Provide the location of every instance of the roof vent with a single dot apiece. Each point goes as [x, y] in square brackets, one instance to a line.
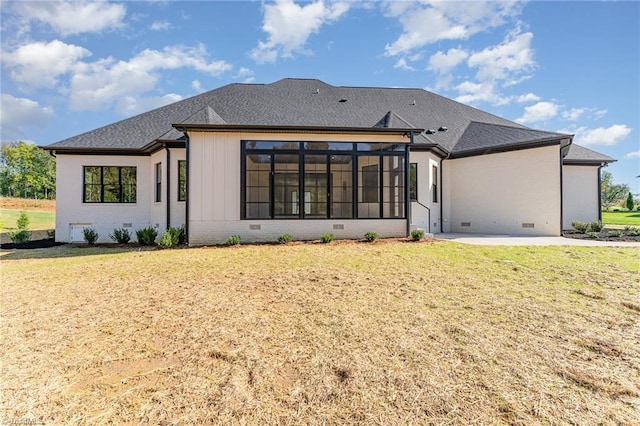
[413, 103]
[342, 101]
[442, 129]
[429, 131]
[316, 92]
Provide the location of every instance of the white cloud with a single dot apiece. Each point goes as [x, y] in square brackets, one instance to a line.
[471, 93]
[73, 17]
[573, 114]
[160, 26]
[606, 136]
[40, 64]
[442, 62]
[18, 113]
[538, 112]
[289, 25]
[195, 84]
[427, 22]
[632, 155]
[511, 57]
[245, 74]
[403, 65]
[98, 85]
[529, 97]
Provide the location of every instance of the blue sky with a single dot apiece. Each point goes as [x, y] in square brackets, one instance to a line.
[69, 67]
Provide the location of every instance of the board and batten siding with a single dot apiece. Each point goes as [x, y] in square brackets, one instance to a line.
[214, 193]
[516, 193]
[72, 214]
[580, 194]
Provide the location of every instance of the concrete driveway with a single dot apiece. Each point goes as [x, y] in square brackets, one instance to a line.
[520, 240]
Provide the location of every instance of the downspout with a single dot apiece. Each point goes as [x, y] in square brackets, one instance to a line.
[168, 160]
[561, 195]
[407, 179]
[600, 191]
[188, 197]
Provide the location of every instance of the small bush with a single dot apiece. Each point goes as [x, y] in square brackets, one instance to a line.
[120, 235]
[417, 234]
[614, 233]
[632, 231]
[147, 236]
[173, 237]
[20, 236]
[371, 236]
[51, 234]
[593, 234]
[595, 226]
[90, 235]
[581, 227]
[326, 238]
[23, 221]
[285, 238]
[233, 240]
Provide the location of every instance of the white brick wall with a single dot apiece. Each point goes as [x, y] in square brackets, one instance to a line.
[580, 194]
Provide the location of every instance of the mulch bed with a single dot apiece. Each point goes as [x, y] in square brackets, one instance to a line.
[606, 234]
[34, 244]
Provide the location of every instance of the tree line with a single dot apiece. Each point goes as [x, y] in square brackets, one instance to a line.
[26, 171]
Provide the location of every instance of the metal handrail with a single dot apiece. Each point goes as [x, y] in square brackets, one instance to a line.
[428, 210]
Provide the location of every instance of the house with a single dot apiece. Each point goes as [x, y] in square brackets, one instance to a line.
[302, 157]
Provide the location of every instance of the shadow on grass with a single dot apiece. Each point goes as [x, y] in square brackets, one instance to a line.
[69, 250]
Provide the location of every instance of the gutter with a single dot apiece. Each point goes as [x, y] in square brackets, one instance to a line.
[295, 129]
[188, 197]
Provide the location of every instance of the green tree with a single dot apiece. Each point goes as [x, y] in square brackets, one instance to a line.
[26, 171]
[630, 203]
[611, 193]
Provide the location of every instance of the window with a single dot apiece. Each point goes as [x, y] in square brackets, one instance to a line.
[158, 178]
[413, 181]
[109, 184]
[182, 180]
[434, 179]
[318, 180]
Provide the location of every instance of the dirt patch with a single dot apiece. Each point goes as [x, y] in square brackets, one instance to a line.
[33, 244]
[27, 204]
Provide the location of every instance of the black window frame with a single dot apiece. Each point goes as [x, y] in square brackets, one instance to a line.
[122, 199]
[182, 181]
[413, 181]
[434, 186]
[357, 149]
[158, 182]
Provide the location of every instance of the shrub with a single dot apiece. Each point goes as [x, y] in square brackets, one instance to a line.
[371, 236]
[20, 236]
[51, 234]
[147, 236]
[581, 227]
[23, 221]
[233, 240]
[90, 235]
[285, 238]
[629, 203]
[173, 237]
[632, 231]
[417, 234]
[593, 234]
[326, 238]
[596, 226]
[614, 233]
[120, 235]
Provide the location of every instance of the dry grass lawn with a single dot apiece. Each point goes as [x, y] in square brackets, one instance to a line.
[346, 333]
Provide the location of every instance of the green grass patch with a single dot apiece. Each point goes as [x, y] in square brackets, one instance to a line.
[621, 218]
[38, 219]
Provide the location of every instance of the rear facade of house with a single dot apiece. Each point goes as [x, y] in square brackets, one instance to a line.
[305, 158]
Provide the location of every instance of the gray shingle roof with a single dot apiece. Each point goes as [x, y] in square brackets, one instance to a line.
[313, 103]
[482, 137]
[580, 155]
